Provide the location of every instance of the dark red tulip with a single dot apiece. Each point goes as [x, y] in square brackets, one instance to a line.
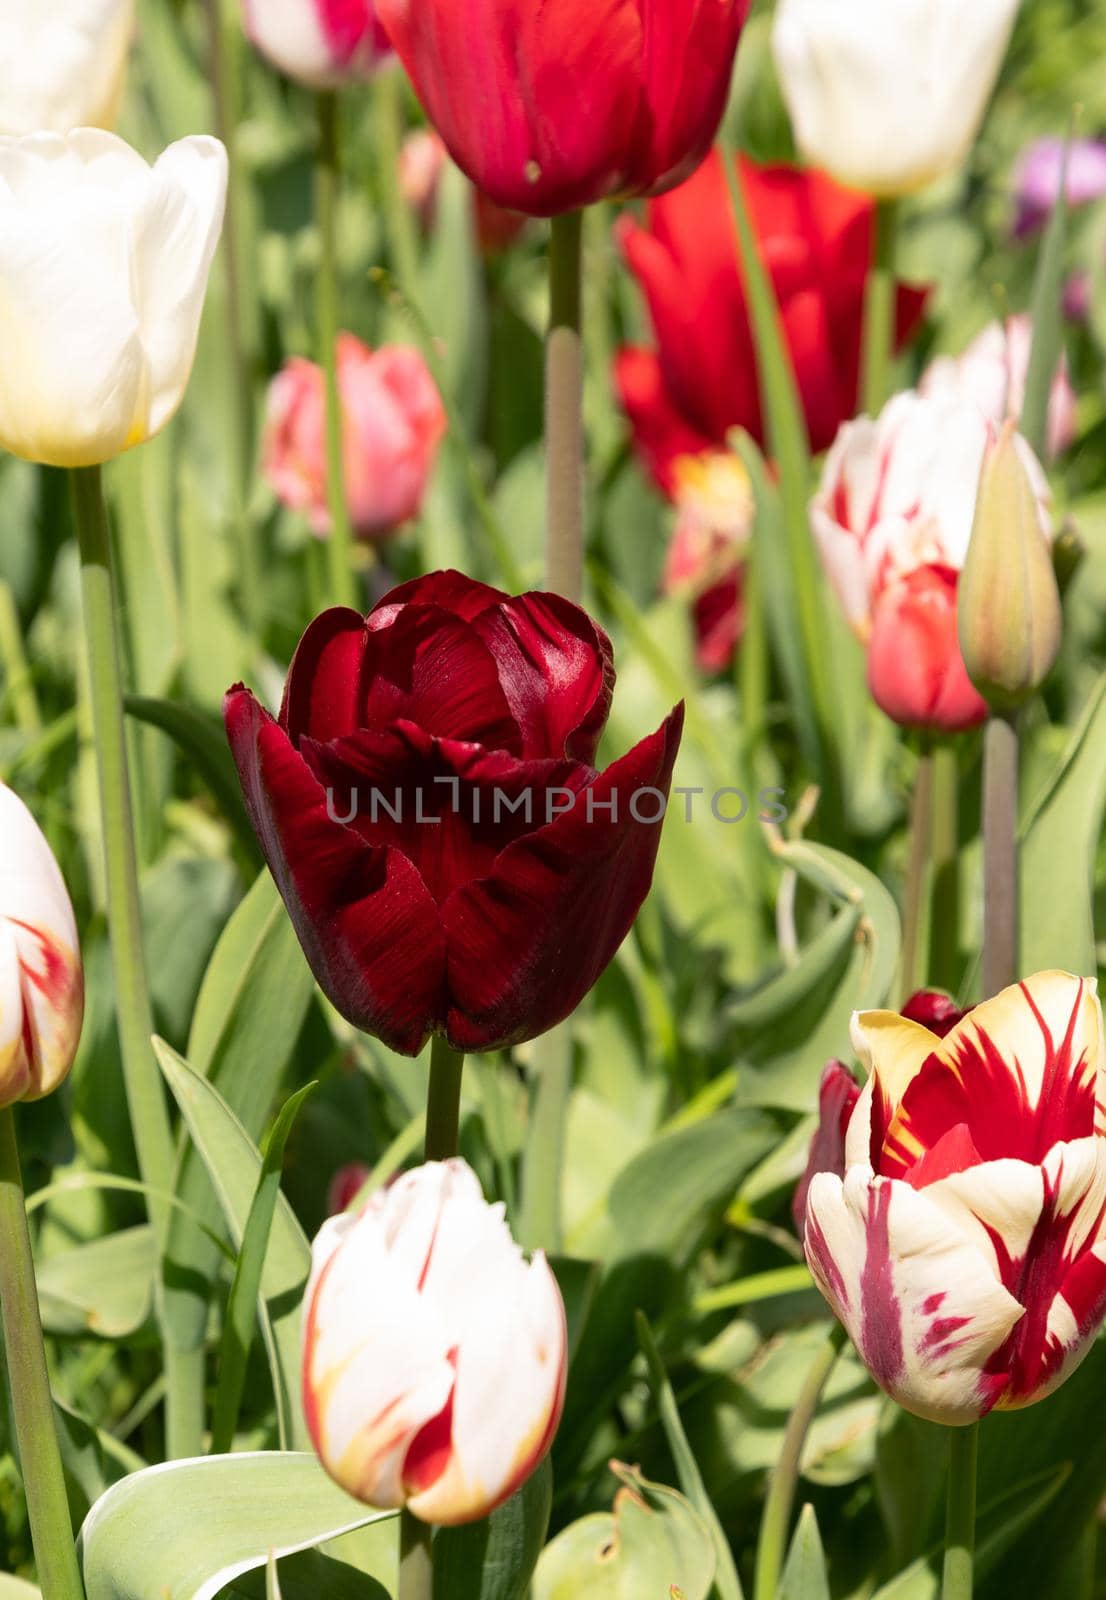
[816, 242]
[451, 859]
[936, 1011]
[554, 106]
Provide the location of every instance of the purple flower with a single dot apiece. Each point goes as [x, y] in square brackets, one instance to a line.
[1037, 179]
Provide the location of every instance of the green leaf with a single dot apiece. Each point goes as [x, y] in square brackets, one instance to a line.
[804, 1576]
[310, 1575]
[495, 1559]
[652, 1542]
[200, 738]
[104, 1288]
[1059, 845]
[1047, 311]
[184, 1530]
[241, 1313]
[727, 1584]
[234, 1163]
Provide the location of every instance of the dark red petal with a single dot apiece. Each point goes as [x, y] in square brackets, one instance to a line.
[556, 667]
[954, 1151]
[448, 590]
[936, 1011]
[367, 925]
[528, 942]
[322, 695]
[449, 807]
[837, 1097]
[432, 668]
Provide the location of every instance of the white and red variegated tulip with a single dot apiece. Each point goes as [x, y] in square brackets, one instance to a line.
[964, 1248]
[41, 977]
[434, 1354]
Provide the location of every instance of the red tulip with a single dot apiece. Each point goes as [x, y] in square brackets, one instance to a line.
[450, 857]
[915, 670]
[554, 106]
[816, 242]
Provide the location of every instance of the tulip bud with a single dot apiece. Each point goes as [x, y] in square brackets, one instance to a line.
[62, 65]
[434, 1355]
[1010, 620]
[41, 978]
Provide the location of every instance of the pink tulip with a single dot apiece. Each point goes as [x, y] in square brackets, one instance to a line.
[320, 43]
[394, 422]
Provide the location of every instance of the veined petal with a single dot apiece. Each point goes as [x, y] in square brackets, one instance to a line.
[324, 690]
[892, 1050]
[923, 1305]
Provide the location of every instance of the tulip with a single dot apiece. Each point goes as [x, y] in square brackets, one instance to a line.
[104, 264]
[1011, 622]
[916, 673]
[816, 241]
[41, 978]
[889, 97]
[62, 66]
[899, 493]
[319, 43]
[1038, 176]
[993, 371]
[345, 1186]
[394, 421]
[716, 508]
[965, 1247]
[434, 1355]
[450, 858]
[568, 103]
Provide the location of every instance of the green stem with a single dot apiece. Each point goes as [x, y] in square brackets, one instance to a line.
[327, 178]
[564, 392]
[944, 925]
[1000, 854]
[222, 51]
[879, 312]
[32, 1406]
[960, 1513]
[776, 1519]
[914, 899]
[389, 127]
[19, 685]
[752, 653]
[443, 1121]
[149, 1116]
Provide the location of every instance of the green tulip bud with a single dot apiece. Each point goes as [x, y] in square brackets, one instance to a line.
[1010, 619]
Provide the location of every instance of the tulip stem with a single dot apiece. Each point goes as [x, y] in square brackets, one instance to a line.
[914, 901]
[416, 1559]
[32, 1406]
[388, 92]
[327, 180]
[564, 399]
[443, 1102]
[879, 311]
[944, 921]
[1000, 854]
[960, 1513]
[775, 1521]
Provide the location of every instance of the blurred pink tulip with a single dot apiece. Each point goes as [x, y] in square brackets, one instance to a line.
[320, 43]
[394, 422]
[992, 372]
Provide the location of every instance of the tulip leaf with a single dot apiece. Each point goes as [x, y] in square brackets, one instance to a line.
[804, 1576]
[653, 1542]
[17, 1589]
[310, 1575]
[104, 1287]
[200, 739]
[495, 1559]
[186, 1529]
[234, 1165]
[1047, 314]
[1059, 846]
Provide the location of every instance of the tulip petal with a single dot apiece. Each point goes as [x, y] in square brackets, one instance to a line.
[15, 1067]
[324, 691]
[526, 943]
[450, 591]
[922, 1304]
[892, 1050]
[556, 667]
[684, 40]
[367, 924]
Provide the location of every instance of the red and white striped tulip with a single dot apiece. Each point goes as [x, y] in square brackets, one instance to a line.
[434, 1354]
[993, 372]
[964, 1248]
[319, 43]
[41, 978]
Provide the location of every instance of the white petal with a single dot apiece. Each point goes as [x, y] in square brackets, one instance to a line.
[62, 64]
[291, 34]
[15, 1076]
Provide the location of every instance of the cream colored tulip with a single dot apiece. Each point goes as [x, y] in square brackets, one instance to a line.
[888, 95]
[434, 1353]
[41, 978]
[62, 65]
[104, 263]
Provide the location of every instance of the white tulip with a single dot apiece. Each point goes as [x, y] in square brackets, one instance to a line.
[434, 1353]
[62, 65]
[104, 264]
[41, 978]
[887, 95]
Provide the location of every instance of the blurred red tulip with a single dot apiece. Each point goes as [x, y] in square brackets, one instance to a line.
[394, 422]
[705, 562]
[915, 670]
[555, 106]
[816, 242]
[451, 859]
